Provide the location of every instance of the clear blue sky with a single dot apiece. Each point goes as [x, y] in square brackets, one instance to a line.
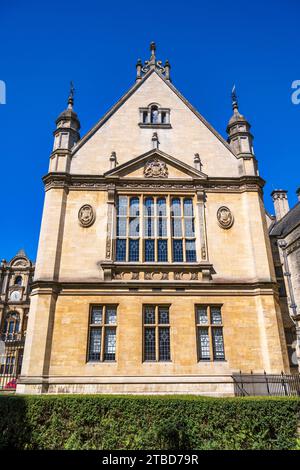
[210, 44]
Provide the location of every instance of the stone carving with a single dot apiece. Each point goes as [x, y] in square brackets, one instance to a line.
[86, 215]
[185, 276]
[225, 217]
[155, 168]
[156, 276]
[21, 262]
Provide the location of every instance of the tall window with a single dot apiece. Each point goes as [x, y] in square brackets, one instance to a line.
[146, 224]
[183, 230]
[11, 326]
[102, 333]
[209, 333]
[156, 333]
[18, 281]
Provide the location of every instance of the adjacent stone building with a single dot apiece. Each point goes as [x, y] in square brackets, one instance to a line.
[154, 271]
[285, 241]
[15, 280]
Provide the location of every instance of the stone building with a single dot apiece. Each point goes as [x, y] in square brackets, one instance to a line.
[154, 271]
[284, 231]
[15, 281]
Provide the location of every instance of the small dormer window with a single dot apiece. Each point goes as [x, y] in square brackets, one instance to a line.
[155, 116]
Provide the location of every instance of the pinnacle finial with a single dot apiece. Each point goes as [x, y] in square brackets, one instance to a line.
[71, 96]
[234, 99]
[153, 48]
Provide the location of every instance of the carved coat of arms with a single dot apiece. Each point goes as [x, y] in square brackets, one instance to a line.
[86, 215]
[225, 217]
[155, 168]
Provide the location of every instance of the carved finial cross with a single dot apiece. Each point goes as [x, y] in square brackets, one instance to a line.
[152, 63]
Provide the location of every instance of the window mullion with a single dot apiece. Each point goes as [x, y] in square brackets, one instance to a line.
[156, 334]
[211, 349]
[102, 334]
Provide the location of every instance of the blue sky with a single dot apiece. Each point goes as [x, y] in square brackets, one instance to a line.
[210, 45]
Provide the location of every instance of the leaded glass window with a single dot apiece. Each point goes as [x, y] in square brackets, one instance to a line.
[102, 333]
[164, 343]
[209, 336]
[149, 250]
[133, 250]
[156, 333]
[183, 230]
[110, 344]
[218, 344]
[204, 348]
[162, 248]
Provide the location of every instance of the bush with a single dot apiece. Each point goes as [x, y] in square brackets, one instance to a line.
[148, 423]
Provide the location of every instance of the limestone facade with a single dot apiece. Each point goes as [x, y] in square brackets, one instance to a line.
[152, 213]
[285, 242]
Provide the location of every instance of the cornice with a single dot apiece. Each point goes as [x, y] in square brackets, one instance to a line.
[93, 287]
[103, 183]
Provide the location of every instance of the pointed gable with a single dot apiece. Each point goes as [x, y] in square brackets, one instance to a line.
[155, 164]
[119, 131]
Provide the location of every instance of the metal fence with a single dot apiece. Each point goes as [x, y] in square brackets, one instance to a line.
[266, 384]
[11, 356]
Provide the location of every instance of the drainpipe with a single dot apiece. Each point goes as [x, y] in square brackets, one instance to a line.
[295, 317]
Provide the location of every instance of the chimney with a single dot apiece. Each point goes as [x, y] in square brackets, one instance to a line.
[281, 204]
[298, 194]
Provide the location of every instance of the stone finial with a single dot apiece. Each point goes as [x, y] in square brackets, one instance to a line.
[139, 66]
[151, 64]
[197, 162]
[281, 203]
[113, 160]
[155, 141]
[153, 50]
[21, 252]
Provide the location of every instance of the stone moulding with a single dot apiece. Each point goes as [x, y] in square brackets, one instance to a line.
[148, 272]
[103, 183]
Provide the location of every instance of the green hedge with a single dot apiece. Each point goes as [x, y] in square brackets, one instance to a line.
[129, 422]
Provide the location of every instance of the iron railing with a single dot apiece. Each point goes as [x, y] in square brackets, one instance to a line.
[266, 384]
[11, 357]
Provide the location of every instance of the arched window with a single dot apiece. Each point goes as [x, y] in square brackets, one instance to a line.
[18, 280]
[11, 326]
[154, 114]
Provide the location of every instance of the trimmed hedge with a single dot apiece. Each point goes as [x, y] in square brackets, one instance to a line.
[134, 422]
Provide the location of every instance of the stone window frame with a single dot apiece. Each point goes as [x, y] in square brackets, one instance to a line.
[163, 121]
[103, 326]
[211, 327]
[170, 235]
[157, 326]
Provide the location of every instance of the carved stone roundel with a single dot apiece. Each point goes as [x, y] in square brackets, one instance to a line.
[86, 215]
[155, 168]
[225, 217]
